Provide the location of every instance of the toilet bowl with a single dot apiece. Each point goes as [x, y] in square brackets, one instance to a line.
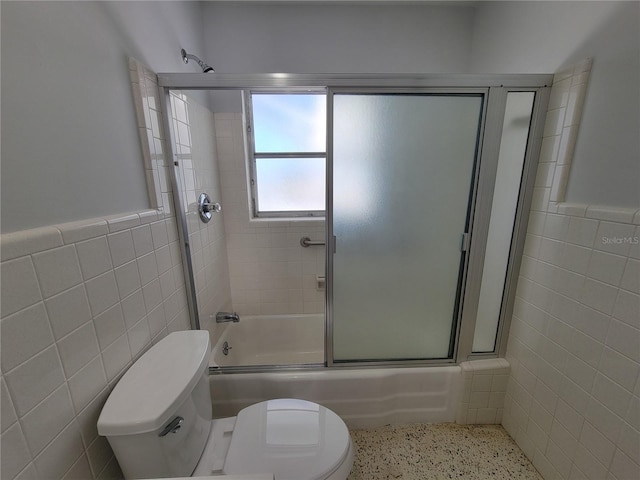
[158, 423]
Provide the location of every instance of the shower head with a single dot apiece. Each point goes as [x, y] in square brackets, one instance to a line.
[187, 56]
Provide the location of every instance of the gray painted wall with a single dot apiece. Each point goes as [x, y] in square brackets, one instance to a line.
[70, 147]
[535, 37]
[330, 38]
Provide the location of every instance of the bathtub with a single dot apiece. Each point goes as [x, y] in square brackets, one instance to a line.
[271, 340]
[364, 398]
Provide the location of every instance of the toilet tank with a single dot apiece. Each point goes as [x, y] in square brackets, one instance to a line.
[158, 416]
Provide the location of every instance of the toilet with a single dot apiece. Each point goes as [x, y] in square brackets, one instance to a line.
[158, 423]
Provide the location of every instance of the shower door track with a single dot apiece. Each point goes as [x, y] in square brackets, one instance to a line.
[496, 86]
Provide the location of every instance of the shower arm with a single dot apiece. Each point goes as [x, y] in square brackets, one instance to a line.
[187, 56]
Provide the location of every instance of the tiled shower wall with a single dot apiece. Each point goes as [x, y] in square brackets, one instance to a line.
[573, 397]
[270, 272]
[194, 134]
[80, 303]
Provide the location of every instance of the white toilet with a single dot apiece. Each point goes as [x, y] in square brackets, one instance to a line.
[158, 422]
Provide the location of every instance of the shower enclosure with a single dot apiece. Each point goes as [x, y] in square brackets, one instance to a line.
[413, 208]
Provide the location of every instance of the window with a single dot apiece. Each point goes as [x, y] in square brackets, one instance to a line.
[287, 152]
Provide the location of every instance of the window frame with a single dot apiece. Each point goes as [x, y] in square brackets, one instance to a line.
[252, 155]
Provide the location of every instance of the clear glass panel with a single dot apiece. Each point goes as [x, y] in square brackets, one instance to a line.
[291, 184]
[289, 123]
[402, 172]
[515, 132]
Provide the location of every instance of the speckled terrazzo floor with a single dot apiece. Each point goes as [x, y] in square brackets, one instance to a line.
[438, 451]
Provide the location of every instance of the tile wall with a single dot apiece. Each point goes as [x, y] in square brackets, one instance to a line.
[270, 272]
[80, 303]
[484, 385]
[194, 134]
[573, 397]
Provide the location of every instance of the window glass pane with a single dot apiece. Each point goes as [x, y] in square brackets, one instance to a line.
[291, 184]
[289, 123]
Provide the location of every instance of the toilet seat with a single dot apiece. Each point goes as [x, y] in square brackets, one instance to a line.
[293, 439]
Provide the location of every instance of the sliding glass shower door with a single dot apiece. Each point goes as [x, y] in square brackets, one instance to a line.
[403, 180]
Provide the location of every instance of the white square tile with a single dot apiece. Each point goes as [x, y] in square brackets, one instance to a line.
[579, 372]
[57, 269]
[139, 337]
[88, 418]
[570, 419]
[102, 292]
[152, 295]
[100, 454]
[606, 267]
[109, 326]
[133, 308]
[624, 339]
[77, 231]
[142, 240]
[121, 247]
[558, 459]
[592, 322]
[619, 368]
[24, 334]
[629, 442]
[61, 453]
[159, 234]
[157, 321]
[163, 258]
[8, 413]
[627, 308]
[79, 470]
[94, 257]
[597, 444]
[78, 348]
[599, 295]
[48, 419]
[631, 277]
[15, 453]
[19, 285]
[32, 381]
[68, 310]
[611, 395]
[116, 356]
[167, 284]
[623, 467]
[604, 420]
[147, 267]
[590, 467]
[582, 231]
[127, 278]
[87, 383]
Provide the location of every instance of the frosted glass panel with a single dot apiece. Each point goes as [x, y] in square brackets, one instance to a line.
[515, 132]
[402, 173]
[291, 184]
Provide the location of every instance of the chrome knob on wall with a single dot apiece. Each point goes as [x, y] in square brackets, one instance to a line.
[206, 208]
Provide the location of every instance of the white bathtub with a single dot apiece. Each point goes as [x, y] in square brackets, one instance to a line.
[271, 340]
[363, 397]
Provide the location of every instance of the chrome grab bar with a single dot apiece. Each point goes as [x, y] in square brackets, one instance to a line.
[307, 242]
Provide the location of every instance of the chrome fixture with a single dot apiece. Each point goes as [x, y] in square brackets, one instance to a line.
[187, 56]
[173, 427]
[226, 348]
[307, 242]
[206, 208]
[223, 317]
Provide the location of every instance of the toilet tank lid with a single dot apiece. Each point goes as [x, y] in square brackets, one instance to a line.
[153, 388]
